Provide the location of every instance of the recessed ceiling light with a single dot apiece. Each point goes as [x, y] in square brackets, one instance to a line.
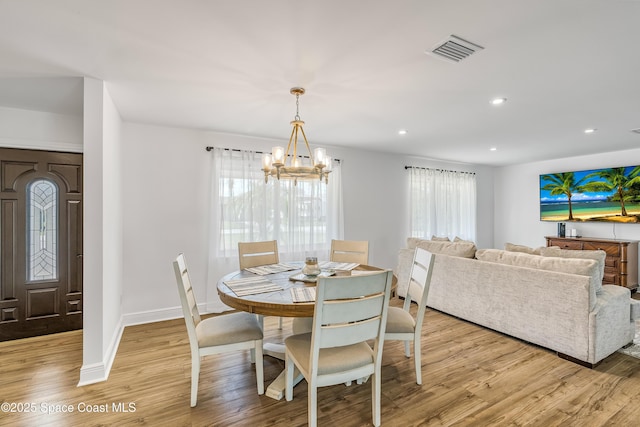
[493, 149]
[590, 130]
[498, 101]
[402, 132]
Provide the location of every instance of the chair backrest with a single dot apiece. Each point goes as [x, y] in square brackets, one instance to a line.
[419, 282]
[253, 254]
[187, 299]
[350, 310]
[350, 251]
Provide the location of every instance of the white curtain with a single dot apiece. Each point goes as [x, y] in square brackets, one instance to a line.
[442, 203]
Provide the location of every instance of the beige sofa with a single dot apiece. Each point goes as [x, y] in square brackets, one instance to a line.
[556, 301]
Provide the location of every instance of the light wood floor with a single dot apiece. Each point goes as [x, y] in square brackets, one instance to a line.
[471, 377]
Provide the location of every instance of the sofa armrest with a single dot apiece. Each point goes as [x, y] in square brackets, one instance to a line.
[635, 310]
[610, 325]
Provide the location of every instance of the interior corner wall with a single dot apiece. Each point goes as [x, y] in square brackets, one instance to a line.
[517, 200]
[102, 225]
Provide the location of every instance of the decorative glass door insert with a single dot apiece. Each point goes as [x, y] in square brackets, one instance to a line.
[42, 218]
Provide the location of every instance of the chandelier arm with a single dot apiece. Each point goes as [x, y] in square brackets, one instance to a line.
[295, 143]
[291, 138]
[307, 144]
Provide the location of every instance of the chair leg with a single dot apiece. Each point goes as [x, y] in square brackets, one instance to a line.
[416, 355]
[195, 375]
[375, 399]
[288, 367]
[280, 323]
[312, 405]
[407, 352]
[259, 366]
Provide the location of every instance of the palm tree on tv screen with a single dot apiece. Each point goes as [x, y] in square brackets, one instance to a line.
[615, 179]
[564, 183]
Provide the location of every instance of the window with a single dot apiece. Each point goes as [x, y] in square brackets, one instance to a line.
[303, 218]
[442, 203]
[42, 217]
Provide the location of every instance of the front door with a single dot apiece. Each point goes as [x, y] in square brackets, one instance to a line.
[40, 242]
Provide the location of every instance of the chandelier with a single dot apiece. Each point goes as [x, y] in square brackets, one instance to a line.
[289, 164]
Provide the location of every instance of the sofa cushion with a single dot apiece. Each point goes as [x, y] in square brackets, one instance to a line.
[598, 255]
[521, 248]
[440, 239]
[582, 267]
[459, 249]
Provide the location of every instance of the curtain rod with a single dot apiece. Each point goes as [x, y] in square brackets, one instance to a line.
[439, 170]
[209, 148]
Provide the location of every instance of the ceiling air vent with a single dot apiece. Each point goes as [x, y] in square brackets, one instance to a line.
[635, 130]
[455, 49]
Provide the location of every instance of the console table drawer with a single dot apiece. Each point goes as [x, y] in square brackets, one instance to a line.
[610, 279]
[611, 250]
[566, 244]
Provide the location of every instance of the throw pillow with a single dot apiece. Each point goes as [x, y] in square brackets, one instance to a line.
[458, 239]
[521, 248]
[440, 239]
[459, 249]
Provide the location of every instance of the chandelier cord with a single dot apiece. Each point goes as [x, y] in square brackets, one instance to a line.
[297, 117]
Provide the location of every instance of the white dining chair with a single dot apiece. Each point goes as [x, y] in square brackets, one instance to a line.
[253, 254]
[219, 334]
[349, 311]
[400, 324]
[350, 251]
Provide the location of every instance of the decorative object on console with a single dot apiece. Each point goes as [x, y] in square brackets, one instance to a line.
[604, 195]
[288, 164]
[621, 262]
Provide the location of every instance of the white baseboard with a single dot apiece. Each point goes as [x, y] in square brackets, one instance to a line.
[143, 317]
[98, 372]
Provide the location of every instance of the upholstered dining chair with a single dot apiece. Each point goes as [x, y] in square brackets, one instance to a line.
[400, 324]
[350, 251]
[349, 311]
[253, 254]
[219, 334]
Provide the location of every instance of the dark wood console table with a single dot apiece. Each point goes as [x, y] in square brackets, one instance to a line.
[621, 263]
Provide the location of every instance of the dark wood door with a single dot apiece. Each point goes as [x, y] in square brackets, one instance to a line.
[40, 242]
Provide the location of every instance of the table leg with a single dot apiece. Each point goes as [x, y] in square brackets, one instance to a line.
[277, 388]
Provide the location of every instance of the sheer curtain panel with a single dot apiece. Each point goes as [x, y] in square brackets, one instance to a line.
[442, 203]
[303, 218]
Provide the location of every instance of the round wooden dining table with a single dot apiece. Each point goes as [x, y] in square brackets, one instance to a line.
[279, 303]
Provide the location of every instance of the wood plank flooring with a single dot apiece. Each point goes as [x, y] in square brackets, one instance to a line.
[471, 377]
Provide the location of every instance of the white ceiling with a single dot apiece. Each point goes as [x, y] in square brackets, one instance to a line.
[564, 65]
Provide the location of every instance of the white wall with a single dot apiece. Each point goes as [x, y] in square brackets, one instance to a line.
[39, 130]
[517, 211]
[166, 174]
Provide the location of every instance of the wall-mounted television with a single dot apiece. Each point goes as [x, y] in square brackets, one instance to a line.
[605, 195]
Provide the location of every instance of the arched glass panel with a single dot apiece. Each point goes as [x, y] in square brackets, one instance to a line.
[42, 211]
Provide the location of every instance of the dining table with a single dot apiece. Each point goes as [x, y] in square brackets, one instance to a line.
[267, 291]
